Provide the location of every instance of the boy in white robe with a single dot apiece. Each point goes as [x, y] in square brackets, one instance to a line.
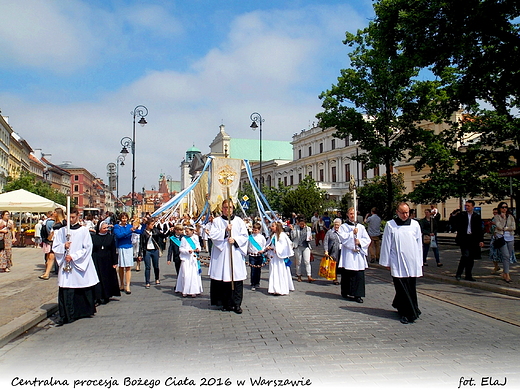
[76, 283]
[227, 268]
[401, 251]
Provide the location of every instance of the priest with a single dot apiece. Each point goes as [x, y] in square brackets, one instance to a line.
[401, 252]
[77, 274]
[227, 268]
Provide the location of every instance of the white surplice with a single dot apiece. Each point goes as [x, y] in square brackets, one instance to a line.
[280, 279]
[189, 281]
[353, 257]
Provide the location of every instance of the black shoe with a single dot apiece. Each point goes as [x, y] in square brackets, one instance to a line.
[238, 310]
[359, 300]
[471, 279]
[439, 264]
[226, 308]
[404, 320]
[457, 277]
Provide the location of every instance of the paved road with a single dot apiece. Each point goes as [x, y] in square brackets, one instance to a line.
[310, 335]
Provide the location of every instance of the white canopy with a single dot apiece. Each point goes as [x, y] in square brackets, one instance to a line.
[22, 200]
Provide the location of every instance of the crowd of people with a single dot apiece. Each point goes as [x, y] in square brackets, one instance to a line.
[94, 258]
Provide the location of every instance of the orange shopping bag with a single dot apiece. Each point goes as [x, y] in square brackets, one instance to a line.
[327, 268]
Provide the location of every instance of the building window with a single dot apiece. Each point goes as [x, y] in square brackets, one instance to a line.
[76, 178]
[269, 181]
[347, 172]
[310, 150]
[321, 175]
[333, 174]
[347, 142]
[300, 154]
[363, 171]
[333, 144]
[309, 174]
[76, 188]
[376, 170]
[291, 179]
[285, 181]
[321, 147]
[299, 178]
[76, 200]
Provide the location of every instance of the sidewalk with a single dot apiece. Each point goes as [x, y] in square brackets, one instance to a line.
[25, 300]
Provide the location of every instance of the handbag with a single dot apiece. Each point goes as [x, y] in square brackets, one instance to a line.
[426, 239]
[499, 242]
[327, 268]
[433, 242]
[2, 244]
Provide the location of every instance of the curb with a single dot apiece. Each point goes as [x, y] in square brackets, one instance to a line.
[22, 324]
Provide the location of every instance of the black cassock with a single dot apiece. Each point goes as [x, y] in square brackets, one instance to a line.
[104, 254]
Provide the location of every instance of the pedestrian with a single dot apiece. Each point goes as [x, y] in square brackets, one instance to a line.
[173, 248]
[255, 251]
[38, 233]
[318, 228]
[301, 237]
[104, 255]
[281, 249]
[470, 238]
[56, 221]
[373, 222]
[7, 238]
[429, 231]
[149, 250]
[189, 281]
[332, 245]
[353, 261]
[401, 252]
[227, 268]
[505, 227]
[77, 275]
[123, 232]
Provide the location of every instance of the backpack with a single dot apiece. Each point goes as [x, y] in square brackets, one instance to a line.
[47, 235]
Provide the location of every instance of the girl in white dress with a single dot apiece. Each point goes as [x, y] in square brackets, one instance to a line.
[189, 281]
[281, 249]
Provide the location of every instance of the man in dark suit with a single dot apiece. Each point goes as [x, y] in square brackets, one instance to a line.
[470, 238]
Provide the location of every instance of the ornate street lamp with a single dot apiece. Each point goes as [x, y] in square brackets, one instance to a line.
[257, 124]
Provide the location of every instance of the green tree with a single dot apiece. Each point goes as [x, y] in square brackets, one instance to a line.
[28, 182]
[375, 192]
[472, 48]
[304, 199]
[375, 102]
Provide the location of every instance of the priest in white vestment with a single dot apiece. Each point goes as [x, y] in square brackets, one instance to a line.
[76, 283]
[353, 260]
[401, 251]
[227, 268]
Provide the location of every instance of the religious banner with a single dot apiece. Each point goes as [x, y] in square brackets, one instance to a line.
[225, 180]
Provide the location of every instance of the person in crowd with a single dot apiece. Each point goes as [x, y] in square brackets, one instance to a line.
[332, 245]
[301, 237]
[89, 223]
[401, 252]
[429, 231]
[319, 230]
[255, 251]
[494, 253]
[55, 222]
[149, 250]
[326, 221]
[470, 238]
[281, 249]
[123, 233]
[77, 276]
[505, 227]
[373, 221]
[353, 261]
[8, 237]
[173, 248]
[38, 233]
[104, 255]
[227, 268]
[189, 281]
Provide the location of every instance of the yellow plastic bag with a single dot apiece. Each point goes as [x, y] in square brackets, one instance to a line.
[327, 268]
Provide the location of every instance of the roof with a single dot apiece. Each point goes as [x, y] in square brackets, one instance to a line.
[249, 149]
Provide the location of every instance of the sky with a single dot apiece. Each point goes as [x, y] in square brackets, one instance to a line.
[72, 72]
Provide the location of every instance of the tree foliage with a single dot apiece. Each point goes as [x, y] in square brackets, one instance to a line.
[28, 182]
[374, 194]
[304, 199]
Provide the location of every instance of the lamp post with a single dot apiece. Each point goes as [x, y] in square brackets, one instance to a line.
[126, 142]
[120, 161]
[257, 124]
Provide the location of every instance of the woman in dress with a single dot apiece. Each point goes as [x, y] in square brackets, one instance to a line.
[189, 281]
[104, 254]
[123, 232]
[505, 227]
[281, 248]
[7, 235]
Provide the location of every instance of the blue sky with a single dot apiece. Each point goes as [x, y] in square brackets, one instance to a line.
[72, 71]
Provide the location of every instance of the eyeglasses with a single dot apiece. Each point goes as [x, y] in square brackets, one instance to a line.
[504, 207]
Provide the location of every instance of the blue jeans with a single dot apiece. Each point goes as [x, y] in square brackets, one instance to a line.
[426, 248]
[151, 256]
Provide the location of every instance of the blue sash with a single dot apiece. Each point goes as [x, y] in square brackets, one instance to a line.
[193, 246]
[176, 240]
[287, 261]
[254, 243]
